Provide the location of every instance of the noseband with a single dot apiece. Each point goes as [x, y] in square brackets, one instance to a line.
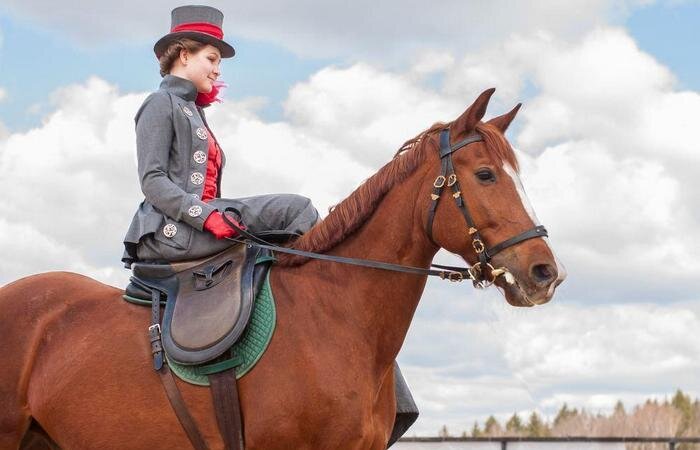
[448, 178]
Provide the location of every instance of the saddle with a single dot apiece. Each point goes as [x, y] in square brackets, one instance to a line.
[208, 300]
[208, 304]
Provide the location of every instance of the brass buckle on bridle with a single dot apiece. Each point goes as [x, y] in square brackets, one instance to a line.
[454, 277]
[439, 181]
[478, 245]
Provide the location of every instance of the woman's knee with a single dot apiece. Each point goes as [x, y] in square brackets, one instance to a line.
[298, 202]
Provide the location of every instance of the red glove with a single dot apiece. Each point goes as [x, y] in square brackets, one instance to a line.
[215, 225]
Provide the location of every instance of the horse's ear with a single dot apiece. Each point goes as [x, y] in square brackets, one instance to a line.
[502, 122]
[468, 120]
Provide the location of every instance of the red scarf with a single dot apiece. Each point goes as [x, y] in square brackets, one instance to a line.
[205, 99]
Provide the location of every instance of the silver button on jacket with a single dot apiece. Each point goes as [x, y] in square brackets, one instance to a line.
[169, 230]
[195, 211]
[199, 157]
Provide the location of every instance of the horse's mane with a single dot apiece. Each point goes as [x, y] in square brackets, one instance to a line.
[348, 215]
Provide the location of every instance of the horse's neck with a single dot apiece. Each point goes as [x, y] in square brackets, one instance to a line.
[382, 303]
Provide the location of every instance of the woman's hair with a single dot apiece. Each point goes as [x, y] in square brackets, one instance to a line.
[169, 56]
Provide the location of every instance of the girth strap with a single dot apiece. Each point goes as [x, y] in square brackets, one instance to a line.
[224, 391]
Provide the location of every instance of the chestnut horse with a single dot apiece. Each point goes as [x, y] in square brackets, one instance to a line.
[76, 370]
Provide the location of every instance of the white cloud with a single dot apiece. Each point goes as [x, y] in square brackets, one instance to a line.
[466, 359]
[74, 171]
[3, 92]
[367, 112]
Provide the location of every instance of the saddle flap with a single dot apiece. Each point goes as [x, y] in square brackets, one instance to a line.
[209, 301]
[212, 307]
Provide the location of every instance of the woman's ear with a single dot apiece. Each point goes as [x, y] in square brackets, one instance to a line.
[466, 123]
[184, 55]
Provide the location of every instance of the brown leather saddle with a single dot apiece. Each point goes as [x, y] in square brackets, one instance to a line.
[208, 301]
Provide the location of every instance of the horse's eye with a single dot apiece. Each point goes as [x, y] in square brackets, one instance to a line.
[486, 176]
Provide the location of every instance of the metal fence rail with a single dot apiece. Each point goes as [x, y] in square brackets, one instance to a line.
[504, 440]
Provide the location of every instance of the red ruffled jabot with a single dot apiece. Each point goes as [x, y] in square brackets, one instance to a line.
[206, 99]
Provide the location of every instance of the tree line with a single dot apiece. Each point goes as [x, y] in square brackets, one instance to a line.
[677, 417]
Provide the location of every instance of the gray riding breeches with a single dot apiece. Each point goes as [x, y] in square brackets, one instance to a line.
[268, 216]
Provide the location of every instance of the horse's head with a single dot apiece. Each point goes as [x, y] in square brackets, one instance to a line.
[504, 241]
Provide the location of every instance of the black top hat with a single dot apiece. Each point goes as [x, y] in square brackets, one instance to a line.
[201, 23]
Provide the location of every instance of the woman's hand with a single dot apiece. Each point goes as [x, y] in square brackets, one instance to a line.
[215, 225]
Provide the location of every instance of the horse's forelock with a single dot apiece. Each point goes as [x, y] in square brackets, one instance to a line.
[498, 145]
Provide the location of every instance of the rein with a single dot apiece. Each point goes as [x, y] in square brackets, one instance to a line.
[450, 273]
[447, 176]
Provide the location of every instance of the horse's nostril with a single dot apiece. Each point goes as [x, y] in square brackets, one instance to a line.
[543, 273]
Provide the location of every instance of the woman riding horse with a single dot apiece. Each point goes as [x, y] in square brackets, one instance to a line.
[180, 164]
[180, 161]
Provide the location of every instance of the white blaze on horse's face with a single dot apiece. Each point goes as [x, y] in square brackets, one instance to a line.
[561, 271]
[521, 192]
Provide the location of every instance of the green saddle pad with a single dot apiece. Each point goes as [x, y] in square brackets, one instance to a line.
[252, 344]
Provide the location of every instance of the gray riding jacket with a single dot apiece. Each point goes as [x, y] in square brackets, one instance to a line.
[172, 152]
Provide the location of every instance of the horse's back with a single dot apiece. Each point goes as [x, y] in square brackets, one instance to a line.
[35, 293]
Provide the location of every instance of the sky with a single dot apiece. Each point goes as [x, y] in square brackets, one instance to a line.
[321, 95]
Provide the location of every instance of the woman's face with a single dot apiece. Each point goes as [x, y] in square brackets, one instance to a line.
[202, 68]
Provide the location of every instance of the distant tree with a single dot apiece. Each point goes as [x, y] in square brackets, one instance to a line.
[443, 433]
[464, 434]
[684, 405]
[492, 427]
[514, 424]
[564, 414]
[476, 431]
[619, 409]
[536, 427]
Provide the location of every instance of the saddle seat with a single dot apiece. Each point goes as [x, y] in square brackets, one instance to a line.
[208, 300]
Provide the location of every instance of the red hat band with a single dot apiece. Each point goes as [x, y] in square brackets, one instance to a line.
[201, 27]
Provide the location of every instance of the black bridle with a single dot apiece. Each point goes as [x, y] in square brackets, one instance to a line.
[447, 176]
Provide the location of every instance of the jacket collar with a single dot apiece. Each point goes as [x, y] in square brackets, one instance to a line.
[179, 86]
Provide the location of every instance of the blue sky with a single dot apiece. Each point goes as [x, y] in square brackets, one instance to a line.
[35, 60]
[606, 140]
[670, 33]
